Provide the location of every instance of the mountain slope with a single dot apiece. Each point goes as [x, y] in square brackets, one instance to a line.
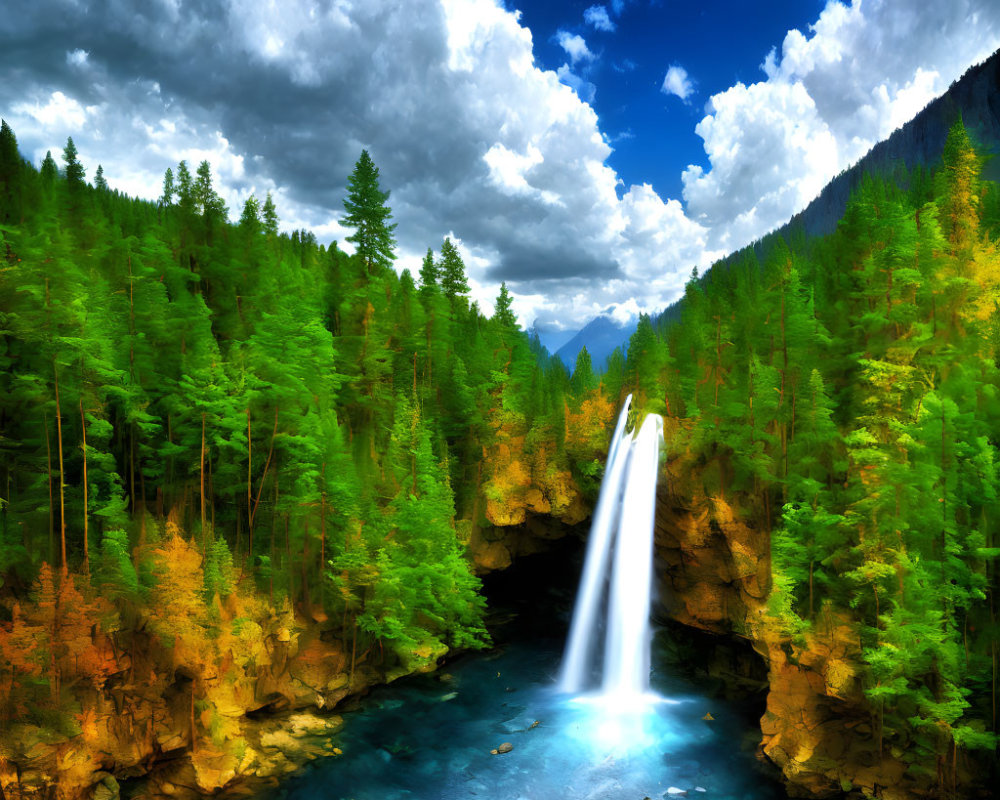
[600, 336]
[975, 96]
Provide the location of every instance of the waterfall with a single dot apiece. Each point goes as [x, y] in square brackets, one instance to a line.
[623, 523]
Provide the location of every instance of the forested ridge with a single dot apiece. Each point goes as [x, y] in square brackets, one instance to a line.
[842, 395]
[218, 436]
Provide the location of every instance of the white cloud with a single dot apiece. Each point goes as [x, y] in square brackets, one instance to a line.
[584, 88]
[676, 82]
[859, 72]
[76, 58]
[508, 168]
[575, 46]
[598, 17]
[59, 113]
[506, 157]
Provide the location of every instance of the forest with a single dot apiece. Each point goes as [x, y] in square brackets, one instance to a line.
[215, 435]
[225, 447]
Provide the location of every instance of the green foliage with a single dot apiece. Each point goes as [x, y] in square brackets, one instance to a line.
[452, 271]
[116, 569]
[842, 392]
[218, 570]
[261, 412]
[369, 215]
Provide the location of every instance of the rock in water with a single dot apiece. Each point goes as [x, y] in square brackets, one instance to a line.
[506, 747]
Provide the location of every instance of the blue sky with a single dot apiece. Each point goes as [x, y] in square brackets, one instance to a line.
[717, 44]
[508, 131]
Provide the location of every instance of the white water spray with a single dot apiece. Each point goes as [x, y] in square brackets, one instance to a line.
[624, 518]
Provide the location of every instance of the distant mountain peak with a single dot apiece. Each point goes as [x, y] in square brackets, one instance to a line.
[600, 336]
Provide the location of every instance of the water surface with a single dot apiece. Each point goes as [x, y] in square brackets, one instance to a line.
[429, 738]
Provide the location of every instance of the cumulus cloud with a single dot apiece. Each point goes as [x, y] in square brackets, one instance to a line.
[598, 17]
[859, 72]
[676, 82]
[584, 88]
[485, 146]
[575, 46]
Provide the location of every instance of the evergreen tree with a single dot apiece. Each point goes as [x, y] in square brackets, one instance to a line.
[269, 215]
[430, 273]
[502, 313]
[584, 380]
[250, 218]
[185, 188]
[167, 198]
[452, 272]
[74, 169]
[10, 174]
[99, 182]
[49, 170]
[369, 215]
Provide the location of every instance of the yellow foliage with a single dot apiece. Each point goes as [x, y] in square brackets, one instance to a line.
[587, 429]
[985, 273]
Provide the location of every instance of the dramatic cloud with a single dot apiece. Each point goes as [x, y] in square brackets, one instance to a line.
[474, 140]
[598, 17]
[676, 82]
[864, 70]
[575, 46]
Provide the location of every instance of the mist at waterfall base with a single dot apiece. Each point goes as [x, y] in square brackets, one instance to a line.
[604, 726]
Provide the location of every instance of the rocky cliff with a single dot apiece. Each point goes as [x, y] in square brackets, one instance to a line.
[713, 566]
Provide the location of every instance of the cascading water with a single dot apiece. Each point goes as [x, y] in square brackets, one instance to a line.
[623, 521]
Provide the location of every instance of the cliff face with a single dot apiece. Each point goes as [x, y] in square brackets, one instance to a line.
[198, 695]
[714, 573]
[200, 729]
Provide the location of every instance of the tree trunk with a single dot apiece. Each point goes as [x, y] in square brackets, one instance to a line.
[288, 563]
[86, 491]
[267, 464]
[274, 531]
[52, 511]
[322, 534]
[249, 491]
[204, 532]
[62, 480]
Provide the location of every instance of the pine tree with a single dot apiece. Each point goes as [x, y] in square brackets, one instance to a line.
[430, 273]
[250, 218]
[10, 158]
[502, 313]
[99, 182]
[11, 170]
[185, 188]
[960, 200]
[74, 169]
[207, 201]
[584, 380]
[369, 215]
[269, 215]
[167, 198]
[452, 271]
[49, 170]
